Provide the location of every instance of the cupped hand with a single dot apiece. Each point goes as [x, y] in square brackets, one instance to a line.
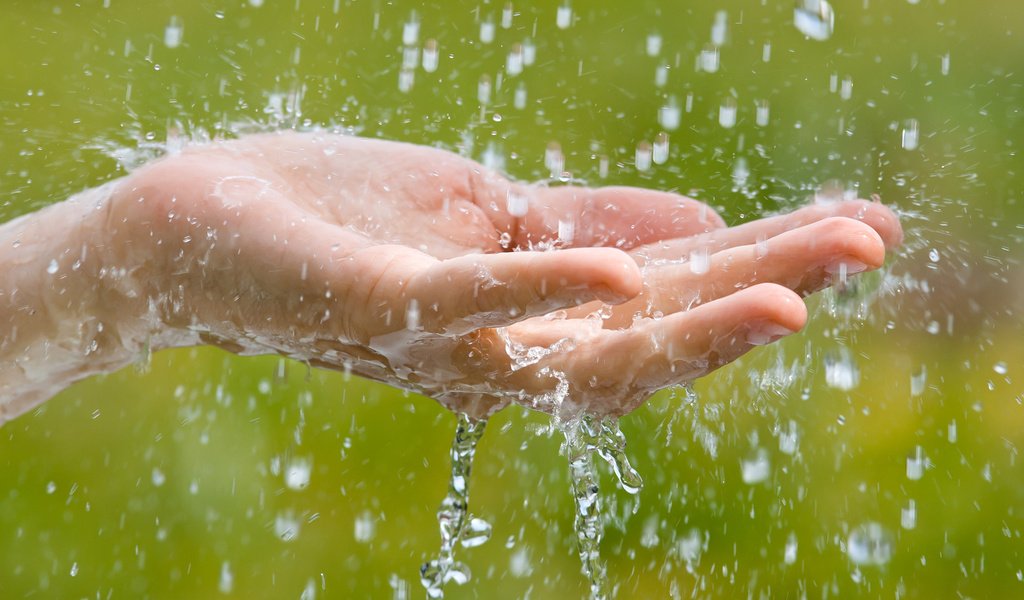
[425, 270]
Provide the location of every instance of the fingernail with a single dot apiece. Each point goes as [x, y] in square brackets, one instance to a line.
[848, 266]
[766, 333]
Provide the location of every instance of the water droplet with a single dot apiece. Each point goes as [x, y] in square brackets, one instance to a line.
[52, 267]
[789, 440]
[554, 160]
[870, 545]
[700, 261]
[661, 75]
[286, 526]
[841, 370]
[226, 583]
[653, 44]
[297, 473]
[517, 204]
[364, 527]
[1000, 367]
[757, 468]
[944, 64]
[74, 569]
[506, 16]
[529, 52]
[406, 77]
[761, 113]
[643, 156]
[173, 33]
[670, 114]
[916, 464]
[708, 61]
[727, 113]
[483, 90]
[519, 100]
[720, 28]
[933, 255]
[514, 61]
[431, 55]
[814, 18]
[158, 477]
[563, 18]
[602, 166]
[411, 31]
[846, 88]
[659, 152]
[789, 554]
[908, 515]
[766, 52]
[487, 30]
[910, 134]
[566, 231]
[410, 57]
[918, 381]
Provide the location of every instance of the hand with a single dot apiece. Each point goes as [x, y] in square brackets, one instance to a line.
[425, 270]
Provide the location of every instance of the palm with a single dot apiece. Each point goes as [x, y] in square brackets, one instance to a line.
[399, 262]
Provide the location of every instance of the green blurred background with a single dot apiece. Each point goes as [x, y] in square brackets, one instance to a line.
[172, 481]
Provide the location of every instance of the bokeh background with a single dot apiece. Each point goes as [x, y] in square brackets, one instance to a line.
[894, 421]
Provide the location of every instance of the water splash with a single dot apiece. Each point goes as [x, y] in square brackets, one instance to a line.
[584, 437]
[454, 520]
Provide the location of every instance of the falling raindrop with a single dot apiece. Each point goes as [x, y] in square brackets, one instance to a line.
[910, 134]
[669, 115]
[519, 98]
[908, 515]
[563, 18]
[756, 469]
[643, 156]
[814, 18]
[761, 113]
[411, 31]
[660, 149]
[483, 90]
[869, 545]
[173, 33]
[700, 261]
[406, 78]
[514, 61]
[661, 75]
[727, 113]
[708, 61]
[487, 30]
[789, 554]
[720, 28]
[297, 474]
[431, 55]
[506, 16]
[653, 44]
[916, 464]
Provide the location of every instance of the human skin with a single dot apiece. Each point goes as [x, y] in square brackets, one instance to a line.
[412, 266]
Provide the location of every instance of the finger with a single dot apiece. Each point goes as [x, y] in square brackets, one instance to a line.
[459, 295]
[614, 364]
[874, 214]
[575, 216]
[804, 260]
[622, 217]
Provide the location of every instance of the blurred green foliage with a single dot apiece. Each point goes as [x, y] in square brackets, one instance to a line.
[161, 481]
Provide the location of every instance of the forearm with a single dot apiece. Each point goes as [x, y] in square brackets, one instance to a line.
[59, 320]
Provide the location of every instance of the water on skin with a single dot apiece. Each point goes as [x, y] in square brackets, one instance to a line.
[455, 522]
